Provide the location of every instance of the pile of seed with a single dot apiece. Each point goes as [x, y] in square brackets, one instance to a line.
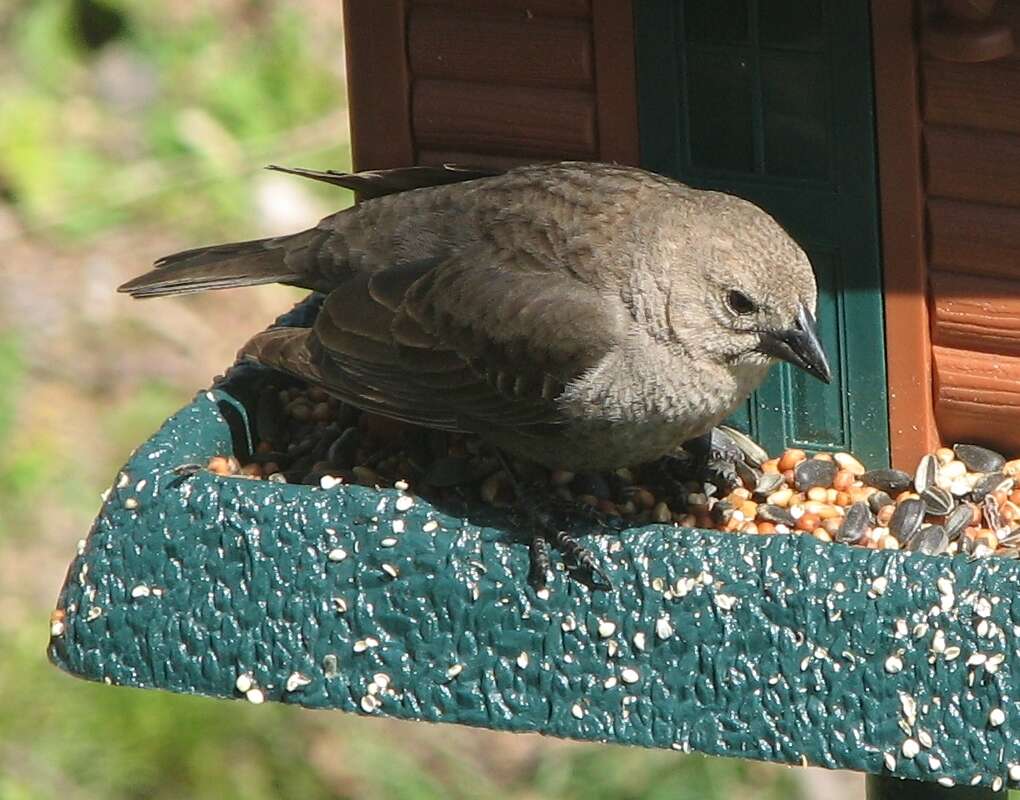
[959, 500]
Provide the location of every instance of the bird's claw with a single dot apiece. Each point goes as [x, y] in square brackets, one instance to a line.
[547, 535]
[714, 459]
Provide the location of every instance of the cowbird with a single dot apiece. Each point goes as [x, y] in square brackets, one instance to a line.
[585, 316]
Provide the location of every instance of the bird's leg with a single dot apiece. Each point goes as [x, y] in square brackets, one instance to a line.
[543, 532]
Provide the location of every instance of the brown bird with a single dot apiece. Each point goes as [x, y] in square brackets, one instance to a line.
[584, 316]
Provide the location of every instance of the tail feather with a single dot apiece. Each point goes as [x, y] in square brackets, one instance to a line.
[221, 267]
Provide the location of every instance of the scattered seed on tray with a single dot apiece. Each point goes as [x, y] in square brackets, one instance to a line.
[964, 499]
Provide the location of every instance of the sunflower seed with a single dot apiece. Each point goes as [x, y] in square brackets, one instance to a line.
[748, 475]
[990, 511]
[768, 483]
[931, 541]
[957, 520]
[878, 501]
[937, 501]
[776, 515]
[906, 520]
[814, 472]
[752, 451]
[979, 459]
[892, 481]
[992, 482]
[927, 469]
[855, 524]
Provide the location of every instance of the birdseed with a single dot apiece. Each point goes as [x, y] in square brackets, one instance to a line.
[960, 500]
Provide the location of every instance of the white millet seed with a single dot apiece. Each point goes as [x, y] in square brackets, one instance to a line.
[893, 664]
[725, 601]
[370, 703]
[630, 675]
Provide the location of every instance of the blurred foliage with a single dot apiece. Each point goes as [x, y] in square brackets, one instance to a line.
[129, 111]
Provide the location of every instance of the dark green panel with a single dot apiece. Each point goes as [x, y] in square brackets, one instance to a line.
[795, 110]
[819, 415]
[796, 137]
[720, 93]
[718, 21]
[792, 24]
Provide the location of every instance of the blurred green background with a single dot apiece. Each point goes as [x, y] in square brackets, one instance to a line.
[130, 129]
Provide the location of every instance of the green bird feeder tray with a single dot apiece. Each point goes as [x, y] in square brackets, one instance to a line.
[778, 648]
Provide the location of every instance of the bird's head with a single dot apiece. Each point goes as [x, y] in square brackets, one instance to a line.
[743, 293]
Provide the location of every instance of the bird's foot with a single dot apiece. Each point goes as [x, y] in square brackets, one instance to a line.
[545, 535]
[724, 458]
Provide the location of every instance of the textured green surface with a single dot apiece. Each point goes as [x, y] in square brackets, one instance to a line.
[772, 100]
[772, 649]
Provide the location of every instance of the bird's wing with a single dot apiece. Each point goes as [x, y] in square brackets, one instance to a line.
[378, 183]
[461, 344]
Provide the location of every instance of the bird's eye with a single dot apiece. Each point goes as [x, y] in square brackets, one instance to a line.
[740, 303]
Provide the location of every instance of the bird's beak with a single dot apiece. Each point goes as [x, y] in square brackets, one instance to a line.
[799, 346]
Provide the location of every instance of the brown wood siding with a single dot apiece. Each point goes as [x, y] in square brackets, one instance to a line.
[981, 96]
[379, 83]
[491, 82]
[971, 125]
[974, 239]
[503, 120]
[484, 47]
[971, 313]
[978, 397]
[912, 429]
[973, 165]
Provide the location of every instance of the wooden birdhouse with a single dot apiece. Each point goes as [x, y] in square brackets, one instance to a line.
[884, 136]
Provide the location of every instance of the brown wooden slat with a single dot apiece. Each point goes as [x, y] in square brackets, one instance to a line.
[378, 83]
[971, 313]
[970, 165]
[504, 120]
[977, 398]
[466, 158]
[525, 8]
[985, 96]
[911, 421]
[495, 47]
[615, 81]
[975, 239]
